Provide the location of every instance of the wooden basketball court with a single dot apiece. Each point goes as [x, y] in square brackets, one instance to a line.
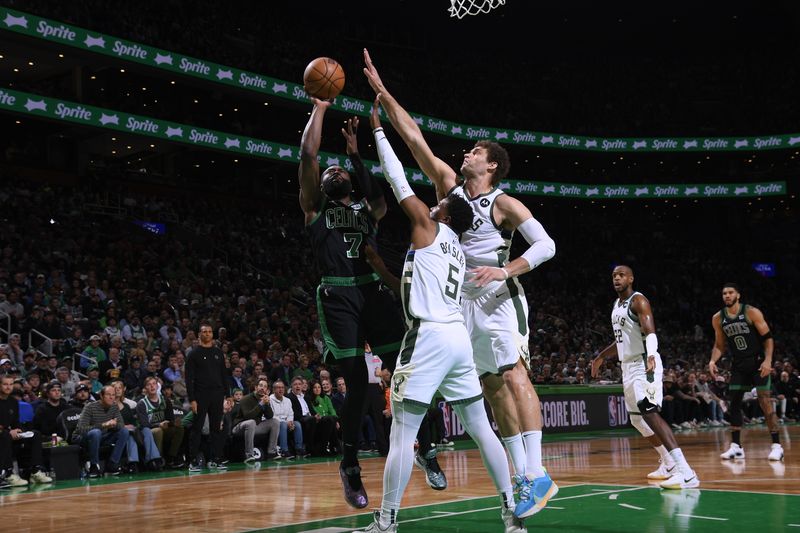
[602, 480]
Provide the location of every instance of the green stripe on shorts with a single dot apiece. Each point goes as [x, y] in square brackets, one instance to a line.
[409, 341]
[513, 291]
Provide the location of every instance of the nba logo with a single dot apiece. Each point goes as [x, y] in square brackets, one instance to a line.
[612, 411]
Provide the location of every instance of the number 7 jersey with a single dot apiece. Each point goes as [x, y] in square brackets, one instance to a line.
[339, 234]
[432, 280]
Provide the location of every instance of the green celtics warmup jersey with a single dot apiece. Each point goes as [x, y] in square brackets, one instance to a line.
[744, 341]
[339, 234]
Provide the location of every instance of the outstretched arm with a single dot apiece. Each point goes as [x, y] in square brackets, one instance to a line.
[437, 170]
[367, 183]
[308, 173]
[423, 228]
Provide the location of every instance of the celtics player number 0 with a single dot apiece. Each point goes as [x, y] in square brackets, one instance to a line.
[740, 342]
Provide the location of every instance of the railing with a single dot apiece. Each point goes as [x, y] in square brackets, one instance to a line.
[47, 343]
[5, 318]
[76, 366]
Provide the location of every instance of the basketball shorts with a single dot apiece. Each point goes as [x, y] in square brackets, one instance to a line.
[435, 357]
[352, 315]
[498, 328]
[638, 385]
[746, 374]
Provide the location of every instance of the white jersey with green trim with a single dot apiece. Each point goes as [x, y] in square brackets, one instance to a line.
[484, 243]
[432, 280]
[627, 330]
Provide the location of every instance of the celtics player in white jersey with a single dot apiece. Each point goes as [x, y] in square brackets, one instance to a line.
[636, 346]
[436, 352]
[495, 309]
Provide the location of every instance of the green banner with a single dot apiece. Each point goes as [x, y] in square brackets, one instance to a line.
[63, 110]
[50, 30]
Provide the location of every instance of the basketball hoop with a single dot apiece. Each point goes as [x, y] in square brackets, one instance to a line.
[462, 8]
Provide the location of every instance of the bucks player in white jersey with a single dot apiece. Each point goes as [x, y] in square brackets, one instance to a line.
[495, 309]
[436, 352]
[636, 346]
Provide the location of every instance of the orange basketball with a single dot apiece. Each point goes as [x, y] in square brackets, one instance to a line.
[323, 78]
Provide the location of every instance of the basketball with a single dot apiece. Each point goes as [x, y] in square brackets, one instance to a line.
[323, 78]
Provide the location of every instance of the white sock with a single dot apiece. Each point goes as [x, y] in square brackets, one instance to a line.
[516, 449]
[666, 459]
[406, 420]
[533, 454]
[473, 417]
[677, 455]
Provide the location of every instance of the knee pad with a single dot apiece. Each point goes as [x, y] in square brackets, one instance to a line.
[646, 406]
[638, 422]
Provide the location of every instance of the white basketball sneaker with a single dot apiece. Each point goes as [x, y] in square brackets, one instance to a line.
[776, 453]
[512, 523]
[682, 480]
[734, 452]
[663, 471]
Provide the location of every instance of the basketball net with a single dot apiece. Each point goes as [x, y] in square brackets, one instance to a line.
[462, 8]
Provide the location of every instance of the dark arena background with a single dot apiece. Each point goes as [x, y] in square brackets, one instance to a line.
[149, 183]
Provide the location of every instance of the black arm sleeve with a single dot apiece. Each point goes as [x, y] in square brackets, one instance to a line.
[366, 182]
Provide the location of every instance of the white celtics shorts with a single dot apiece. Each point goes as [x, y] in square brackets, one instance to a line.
[436, 356]
[498, 326]
[637, 385]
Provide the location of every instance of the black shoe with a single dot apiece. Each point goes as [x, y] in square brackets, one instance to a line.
[270, 456]
[133, 468]
[155, 465]
[194, 466]
[219, 464]
[354, 492]
[4, 484]
[175, 464]
[94, 471]
[112, 469]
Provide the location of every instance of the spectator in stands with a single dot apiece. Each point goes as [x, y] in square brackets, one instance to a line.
[788, 397]
[73, 343]
[283, 372]
[44, 420]
[326, 435]
[134, 376]
[81, 398]
[101, 423]
[93, 373]
[133, 330]
[303, 412]
[112, 368]
[14, 351]
[43, 368]
[67, 385]
[173, 371]
[253, 416]
[93, 354]
[338, 397]
[284, 412]
[303, 371]
[11, 440]
[127, 409]
[237, 381]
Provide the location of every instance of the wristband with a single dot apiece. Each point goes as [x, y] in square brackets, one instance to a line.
[376, 130]
[504, 272]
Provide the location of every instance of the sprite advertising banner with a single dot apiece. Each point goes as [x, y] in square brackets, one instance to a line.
[50, 30]
[67, 111]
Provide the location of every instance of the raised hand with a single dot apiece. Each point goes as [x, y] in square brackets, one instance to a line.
[374, 114]
[350, 136]
[372, 75]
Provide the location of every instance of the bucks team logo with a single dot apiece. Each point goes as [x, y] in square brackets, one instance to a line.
[484, 202]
